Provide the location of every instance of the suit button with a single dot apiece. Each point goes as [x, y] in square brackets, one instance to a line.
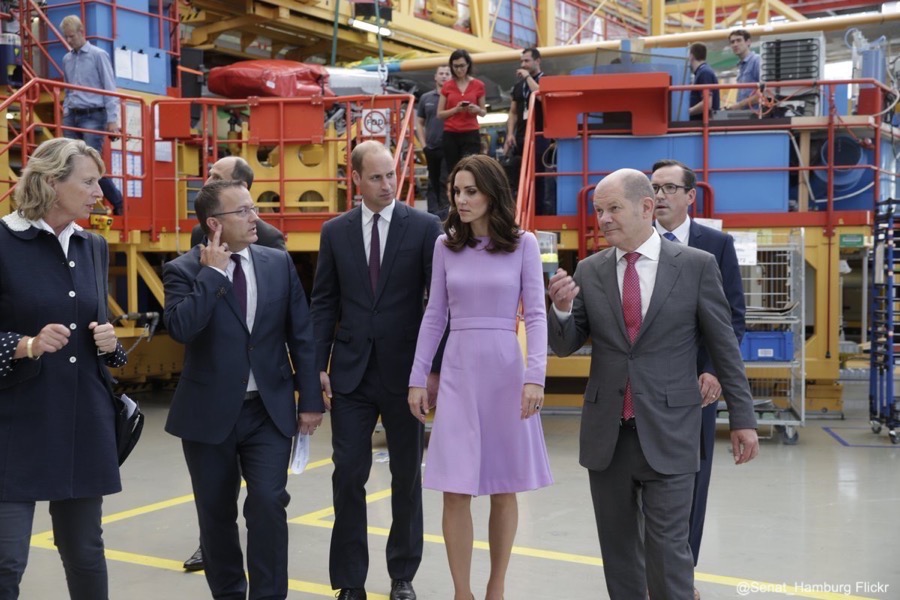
[631, 357]
[374, 312]
[621, 392]
[244, 381]
[249, 347]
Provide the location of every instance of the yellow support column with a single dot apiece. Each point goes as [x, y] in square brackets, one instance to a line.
[657, 17]
[546, 25]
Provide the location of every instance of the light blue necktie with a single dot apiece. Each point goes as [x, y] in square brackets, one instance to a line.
[670, 236]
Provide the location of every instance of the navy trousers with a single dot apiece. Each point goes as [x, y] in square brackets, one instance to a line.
[257, 450]
[701, 481]
[78, 538]
[353, 419]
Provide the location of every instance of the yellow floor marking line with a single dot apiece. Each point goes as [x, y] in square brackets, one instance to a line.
[309, 518]
[143, 560]
[318, 518]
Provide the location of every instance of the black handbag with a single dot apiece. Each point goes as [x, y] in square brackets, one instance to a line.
[129, 418]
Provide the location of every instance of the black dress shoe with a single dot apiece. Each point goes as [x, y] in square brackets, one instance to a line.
[351, 594]
[195, 562]
[402, 590]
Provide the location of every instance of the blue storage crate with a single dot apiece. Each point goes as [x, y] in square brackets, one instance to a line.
[768, 346]
[767, 191]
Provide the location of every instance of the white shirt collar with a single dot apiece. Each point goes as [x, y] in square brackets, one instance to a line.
[64, 236]
[682, 233]
[649, 249]
[386, 213]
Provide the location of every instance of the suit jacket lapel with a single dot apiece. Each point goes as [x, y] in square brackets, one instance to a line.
[260, 266]
[666, 276]
[399, 221]
[695, 234]
[610, 283]
[358, 248]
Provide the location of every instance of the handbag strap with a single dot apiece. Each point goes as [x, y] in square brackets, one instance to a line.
[99, 269]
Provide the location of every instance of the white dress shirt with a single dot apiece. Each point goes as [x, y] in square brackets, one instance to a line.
[384, 225]
[682, 233]
[646, 266]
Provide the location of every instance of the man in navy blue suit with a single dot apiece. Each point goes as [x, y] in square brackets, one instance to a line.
[241, 312]
[367, 304]
[675, 187]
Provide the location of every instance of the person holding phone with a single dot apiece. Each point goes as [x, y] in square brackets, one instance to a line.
[460, 105]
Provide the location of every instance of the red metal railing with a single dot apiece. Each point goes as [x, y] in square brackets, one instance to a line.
[135, 142]
[281, 125]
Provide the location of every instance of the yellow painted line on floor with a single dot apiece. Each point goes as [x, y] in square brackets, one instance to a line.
[166, 564]
[149, 508]
[318, 518]
[329, 512]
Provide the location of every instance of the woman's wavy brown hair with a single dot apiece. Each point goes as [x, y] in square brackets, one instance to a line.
[490, 179]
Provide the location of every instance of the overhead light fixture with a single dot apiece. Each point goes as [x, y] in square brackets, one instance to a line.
[370, 27]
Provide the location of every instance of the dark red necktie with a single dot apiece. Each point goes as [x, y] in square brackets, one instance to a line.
[631, 310]
[375, 254]
[239, 284]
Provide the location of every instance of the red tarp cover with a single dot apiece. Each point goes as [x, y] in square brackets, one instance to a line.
[272, 78]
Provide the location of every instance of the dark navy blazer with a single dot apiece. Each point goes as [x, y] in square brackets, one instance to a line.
[57, 427]
[352, 322]
[721, 245]
[202, 313]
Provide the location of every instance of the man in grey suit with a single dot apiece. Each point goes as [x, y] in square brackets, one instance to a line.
[241, 313]
[645, 303]
[367, 304]
[675, 187]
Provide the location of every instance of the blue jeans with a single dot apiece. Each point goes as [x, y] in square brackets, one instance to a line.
[78, 538]
[94, 120]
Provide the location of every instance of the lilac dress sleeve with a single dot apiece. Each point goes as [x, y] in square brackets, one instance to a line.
[434, 323]
[534, 310]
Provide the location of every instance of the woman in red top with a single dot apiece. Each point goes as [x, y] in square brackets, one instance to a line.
[460, 105]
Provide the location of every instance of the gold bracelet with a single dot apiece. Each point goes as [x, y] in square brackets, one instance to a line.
[28, 350]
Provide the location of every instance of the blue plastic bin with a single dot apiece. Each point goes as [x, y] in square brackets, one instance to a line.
[768, 346]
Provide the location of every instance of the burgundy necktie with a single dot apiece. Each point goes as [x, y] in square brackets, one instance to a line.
[631, 310]
[375, 254]
[239, 284]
